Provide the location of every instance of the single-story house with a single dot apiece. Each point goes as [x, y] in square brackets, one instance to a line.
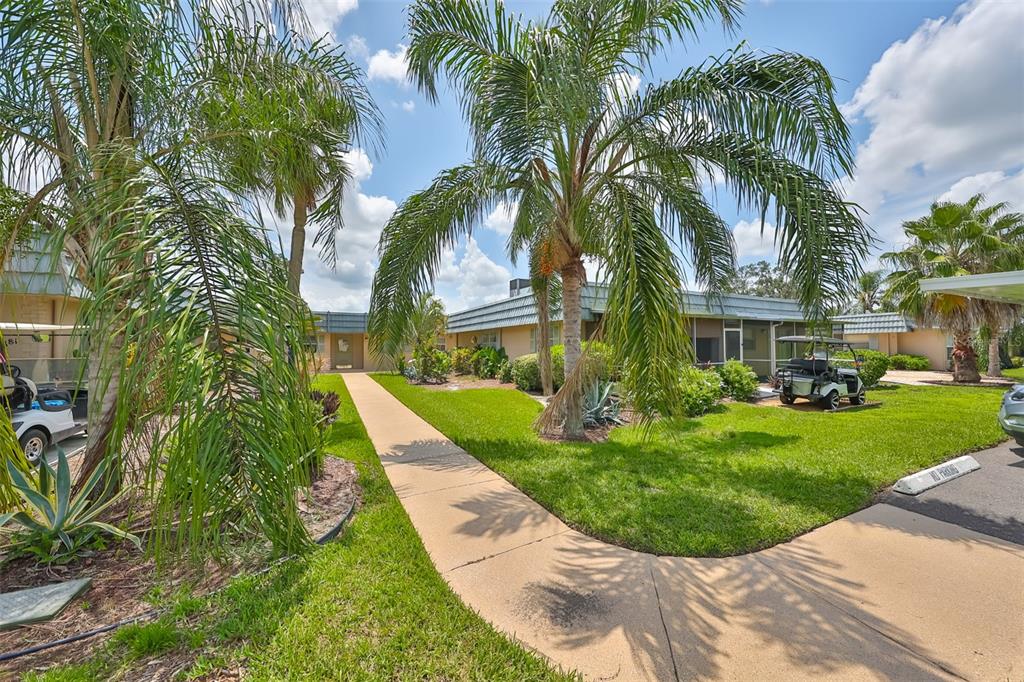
[341, 341]
[731, 326]
[893, 333]
[39, 304]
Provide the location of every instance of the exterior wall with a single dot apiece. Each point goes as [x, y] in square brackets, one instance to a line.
[516, 340]
[930, 343]
[34, 309]
[887, 343]
[358, 355]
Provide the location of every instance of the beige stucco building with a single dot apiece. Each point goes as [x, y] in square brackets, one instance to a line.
[893, 333]
[342, 343]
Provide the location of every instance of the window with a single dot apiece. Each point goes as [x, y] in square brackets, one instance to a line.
[556, 336]
[487, 339]
[321, 344]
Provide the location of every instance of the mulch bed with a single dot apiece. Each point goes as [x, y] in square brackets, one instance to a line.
[458, 382]
[124, 580]
[991, 383]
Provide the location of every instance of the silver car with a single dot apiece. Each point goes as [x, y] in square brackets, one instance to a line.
[1011, 413]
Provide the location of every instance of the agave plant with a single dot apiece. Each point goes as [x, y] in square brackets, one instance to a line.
[55, 524]
[600, 405]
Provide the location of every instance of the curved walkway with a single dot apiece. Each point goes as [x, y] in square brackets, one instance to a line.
[885, 593]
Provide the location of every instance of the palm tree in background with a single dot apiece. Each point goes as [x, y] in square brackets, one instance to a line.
[953, 240]
[599, 168]
[105, 126]
[320, 109]
[869, 294]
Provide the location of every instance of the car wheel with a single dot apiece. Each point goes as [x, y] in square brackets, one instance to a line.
[33, 443]
[832, 400]
[859, 398]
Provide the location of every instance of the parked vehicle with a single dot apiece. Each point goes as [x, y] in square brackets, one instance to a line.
[1011, 413]
[41, 416]
[817, 376]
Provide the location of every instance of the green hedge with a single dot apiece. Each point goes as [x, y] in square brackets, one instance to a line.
[739, 382]
[701, 390]
[525, 369]
[917, 363]
[873, 365]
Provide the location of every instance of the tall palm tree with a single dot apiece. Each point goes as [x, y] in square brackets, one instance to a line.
[321, 109]
[953, 240]
[869, 293]
[189, 327]
[600, 170]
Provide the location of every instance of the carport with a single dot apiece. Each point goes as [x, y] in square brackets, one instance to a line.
[1007, 287]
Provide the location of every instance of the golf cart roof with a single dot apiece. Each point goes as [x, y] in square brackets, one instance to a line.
[813, 339]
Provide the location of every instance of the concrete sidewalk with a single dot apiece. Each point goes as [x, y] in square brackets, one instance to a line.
[885, 593]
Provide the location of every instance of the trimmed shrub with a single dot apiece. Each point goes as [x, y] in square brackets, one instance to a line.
[505, 372]
[917, 363]
[1017, 361]
[526, 368]
[873, 365]
[701, 390]
[738, 381]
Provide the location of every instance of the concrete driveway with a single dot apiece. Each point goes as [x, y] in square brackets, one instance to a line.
[886, 593]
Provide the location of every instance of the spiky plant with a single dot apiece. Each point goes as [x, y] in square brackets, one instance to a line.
[195, 345]
[598, 169]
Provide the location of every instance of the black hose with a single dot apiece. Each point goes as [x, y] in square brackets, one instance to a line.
[153, 613]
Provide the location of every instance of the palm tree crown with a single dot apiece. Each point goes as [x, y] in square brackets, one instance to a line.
[598, 169]
[957, 239]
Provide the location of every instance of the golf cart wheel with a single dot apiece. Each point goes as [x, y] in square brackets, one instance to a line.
[859, 398]
[787, 399]
[33, 443]
[832, 400]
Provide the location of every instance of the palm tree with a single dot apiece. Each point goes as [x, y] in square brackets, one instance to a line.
[952, 240]
[321, 109]
[869, 294]
[599, 170]
[189, 328]
[427, 322]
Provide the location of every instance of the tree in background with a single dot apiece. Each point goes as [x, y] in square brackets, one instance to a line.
[761, 279]
[598, 169]
[188, 311]
[303, 106]
[869, 295]
[951, 241]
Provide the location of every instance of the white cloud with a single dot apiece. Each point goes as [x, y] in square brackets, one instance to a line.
[408, 106]
[625, 84]
[995, 185]
[388, 65]
[502, 218]
[347, 286]
[753, 242]
[324, 14]
[357, 47]
[944, 105]
[478, 278]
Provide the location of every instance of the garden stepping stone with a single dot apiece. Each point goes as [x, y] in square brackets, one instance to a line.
[38, 603]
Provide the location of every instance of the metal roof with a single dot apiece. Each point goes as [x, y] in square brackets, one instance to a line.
[34, 270]
[875, 323]
[340, 323]
[520, 310]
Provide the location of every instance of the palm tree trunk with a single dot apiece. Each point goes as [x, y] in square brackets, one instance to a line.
[298, 242]
[103, 388]
[573, 279]
[965, 361]
[994, 363]
[542, 299]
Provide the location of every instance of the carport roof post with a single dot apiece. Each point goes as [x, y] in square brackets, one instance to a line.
[1007, 287]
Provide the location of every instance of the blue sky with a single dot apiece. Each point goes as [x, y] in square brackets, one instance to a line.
[934, 92]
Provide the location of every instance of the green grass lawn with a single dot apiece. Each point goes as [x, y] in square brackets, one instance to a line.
[737, 480]
[369, 606]
[1015, 373]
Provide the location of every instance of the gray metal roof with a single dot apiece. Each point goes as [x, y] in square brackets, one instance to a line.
[875, 323]
[33, 269]
[520, 310]
[340, 323]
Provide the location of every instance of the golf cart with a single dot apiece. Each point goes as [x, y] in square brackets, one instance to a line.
[817, 377]
[41, 417]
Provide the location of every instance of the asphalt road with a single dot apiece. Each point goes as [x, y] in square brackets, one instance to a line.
[989, 500]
